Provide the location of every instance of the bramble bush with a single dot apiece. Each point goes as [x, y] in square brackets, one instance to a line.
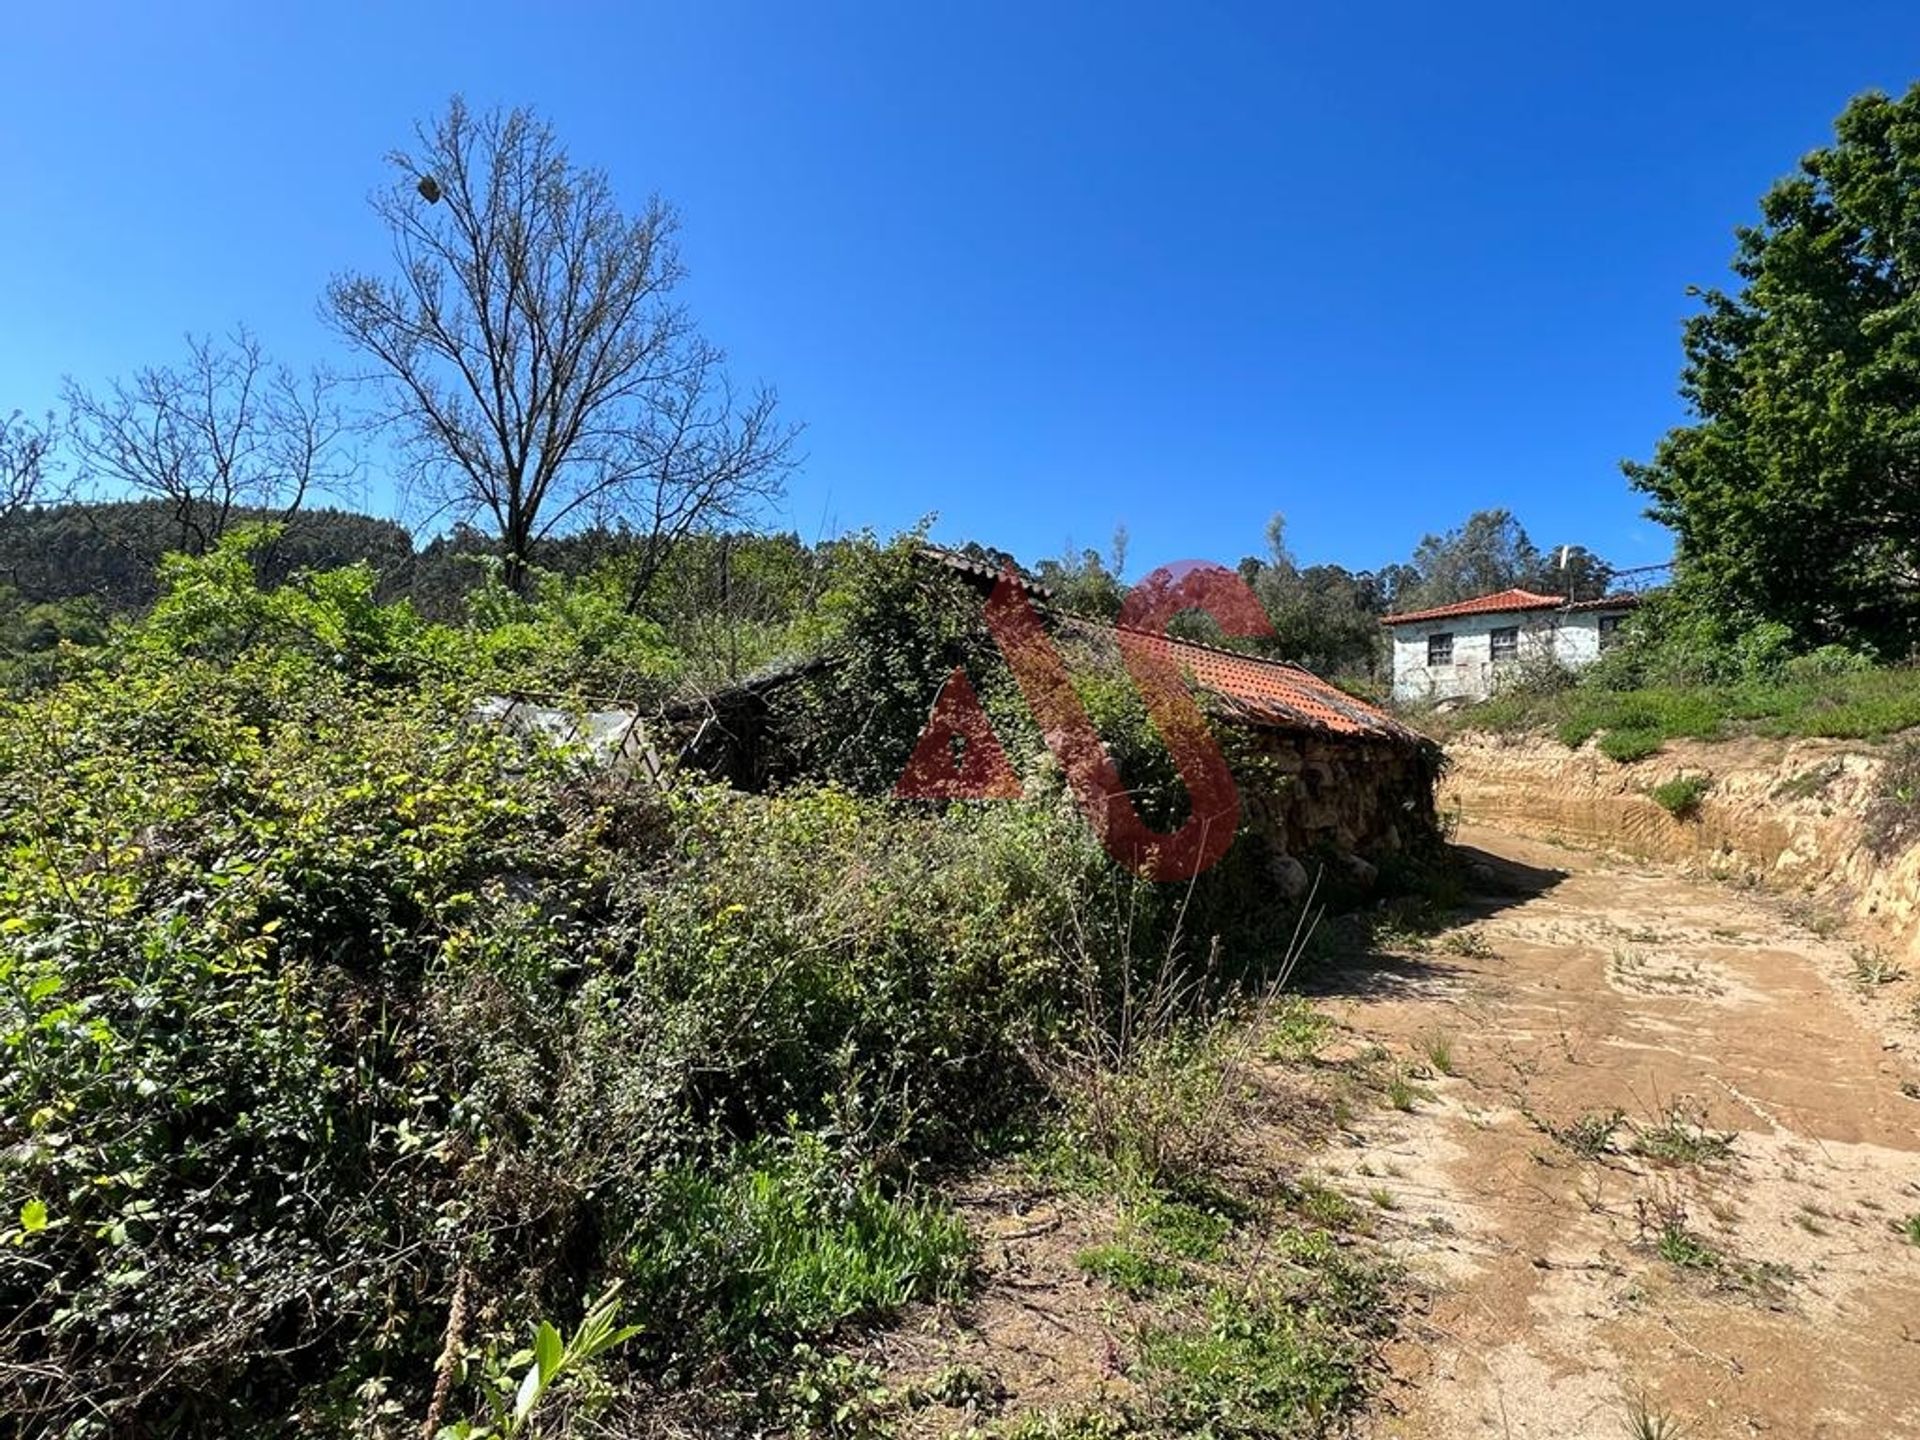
[343, 1037]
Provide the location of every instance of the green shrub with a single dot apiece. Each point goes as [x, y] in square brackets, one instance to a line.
[334, 1017]
[212, 608]
[570, 635]
[1575, 732]
[227, 897]
[1630, 744]
[1826, 662]
[1680, 797]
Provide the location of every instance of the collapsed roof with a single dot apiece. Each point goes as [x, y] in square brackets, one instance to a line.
[1254, 690]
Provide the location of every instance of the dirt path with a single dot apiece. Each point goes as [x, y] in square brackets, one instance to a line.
[1760, 1291]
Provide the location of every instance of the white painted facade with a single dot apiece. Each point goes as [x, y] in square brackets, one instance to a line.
[1465, 657]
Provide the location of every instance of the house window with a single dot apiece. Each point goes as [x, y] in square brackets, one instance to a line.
[1439, 650]
[1609, 630]
[1505, 643]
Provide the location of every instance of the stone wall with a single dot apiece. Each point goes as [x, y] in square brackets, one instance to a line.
[1314, 797]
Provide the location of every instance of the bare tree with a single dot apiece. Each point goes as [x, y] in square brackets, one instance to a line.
[534, 359]
[26, 461]
[226, 431]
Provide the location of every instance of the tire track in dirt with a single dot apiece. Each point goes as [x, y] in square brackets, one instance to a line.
[1765, 1291]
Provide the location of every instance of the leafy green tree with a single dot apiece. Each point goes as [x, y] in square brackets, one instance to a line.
[1795, 494]
[1576, 572]
[1490, 552]
[1325, 617]
[1086, 584]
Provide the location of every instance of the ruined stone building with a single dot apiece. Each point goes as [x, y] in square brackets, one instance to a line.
[1322, 777]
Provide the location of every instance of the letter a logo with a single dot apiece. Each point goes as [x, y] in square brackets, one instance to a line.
[958, 757]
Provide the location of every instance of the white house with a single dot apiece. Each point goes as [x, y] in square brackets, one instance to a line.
[1460, 651]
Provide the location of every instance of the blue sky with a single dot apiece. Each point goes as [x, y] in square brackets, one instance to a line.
[1038, 268]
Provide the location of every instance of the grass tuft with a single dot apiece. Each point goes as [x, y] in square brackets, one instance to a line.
[1681, 1137]
[1468, 942]
[1321, 1204]
[1680, 1247]
[1646, 1423]
[1591, 1135]
[1873, 966]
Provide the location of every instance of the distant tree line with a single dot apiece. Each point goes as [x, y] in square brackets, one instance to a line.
[709, 585]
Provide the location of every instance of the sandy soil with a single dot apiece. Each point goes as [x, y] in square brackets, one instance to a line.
[1591, 985]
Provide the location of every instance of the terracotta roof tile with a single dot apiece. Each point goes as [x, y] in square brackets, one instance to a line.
[1494, 604]
[1270, 693]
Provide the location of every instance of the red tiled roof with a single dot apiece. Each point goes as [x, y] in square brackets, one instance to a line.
[1258, 691]
[1271, 693]
[1481, 605]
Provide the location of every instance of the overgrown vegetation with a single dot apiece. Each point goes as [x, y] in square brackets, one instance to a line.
[1276, 1358]
[1652, 690]
[1255, 1315]
[351, 1039]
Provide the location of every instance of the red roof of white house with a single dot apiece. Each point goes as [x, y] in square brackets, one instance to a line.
[1497, 603]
